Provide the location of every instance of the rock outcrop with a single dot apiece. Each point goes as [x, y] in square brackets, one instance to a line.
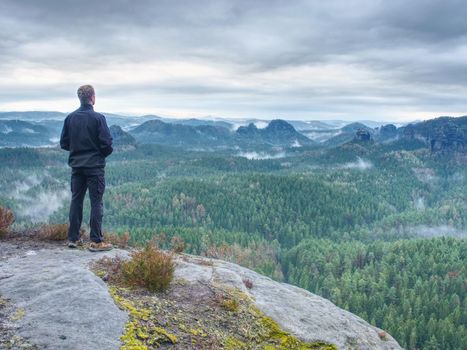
[66, 306]
[362, 135]
[63, 305]
[388, 131]
[443, 134]
[449, 137]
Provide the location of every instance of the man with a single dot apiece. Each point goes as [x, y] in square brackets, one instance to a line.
[87, 137]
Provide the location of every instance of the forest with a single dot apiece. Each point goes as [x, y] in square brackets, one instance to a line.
[379, 229]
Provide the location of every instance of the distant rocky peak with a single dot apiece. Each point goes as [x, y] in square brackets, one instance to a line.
[362, 135]
[250, 129]
[252, 126]
[280, 125]
[388, 131]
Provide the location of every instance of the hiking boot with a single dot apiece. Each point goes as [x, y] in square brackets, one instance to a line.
[100, 247]
[75, 244]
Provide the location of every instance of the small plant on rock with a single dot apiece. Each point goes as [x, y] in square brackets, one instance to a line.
[7, 218]
[57, 232]
[119, 240]
[110, 269]
[150, 267]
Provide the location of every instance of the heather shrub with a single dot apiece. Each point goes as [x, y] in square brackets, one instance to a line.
[110, 269]
[150, 268]
[7, 218]
[58, 232]
[118, 240]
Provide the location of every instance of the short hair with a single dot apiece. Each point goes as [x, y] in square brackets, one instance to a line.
[85, 93]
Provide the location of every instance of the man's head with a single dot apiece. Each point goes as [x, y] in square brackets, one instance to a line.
[87, 95]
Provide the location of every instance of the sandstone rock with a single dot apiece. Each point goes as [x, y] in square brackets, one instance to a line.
[362, 135]
[68, 307]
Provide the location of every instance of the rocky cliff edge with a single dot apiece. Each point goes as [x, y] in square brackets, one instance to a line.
[52, 298]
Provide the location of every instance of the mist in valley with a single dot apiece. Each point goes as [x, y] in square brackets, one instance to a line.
[37, 197]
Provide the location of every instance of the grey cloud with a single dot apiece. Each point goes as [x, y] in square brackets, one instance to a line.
[271, 33]
[410, 47]
[427, 20]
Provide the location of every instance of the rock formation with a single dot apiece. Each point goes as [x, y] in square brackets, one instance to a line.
[449, 137]
[66, 306]
[306, 315]
[362, 135]
[388, 131]
[444, 134]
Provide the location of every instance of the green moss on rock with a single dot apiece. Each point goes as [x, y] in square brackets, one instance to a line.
[138, 335]
[201, 316]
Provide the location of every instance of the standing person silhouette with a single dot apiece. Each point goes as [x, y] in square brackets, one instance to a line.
[87, 137]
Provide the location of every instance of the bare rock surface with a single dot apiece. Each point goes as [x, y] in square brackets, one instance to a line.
[65, 305]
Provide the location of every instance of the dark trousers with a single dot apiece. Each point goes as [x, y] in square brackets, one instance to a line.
[81, 180]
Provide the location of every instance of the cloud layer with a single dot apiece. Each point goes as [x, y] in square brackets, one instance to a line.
[353, 59]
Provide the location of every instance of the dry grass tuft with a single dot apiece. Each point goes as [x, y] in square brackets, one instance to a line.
[7, 218]
[57, 232]
[120, 241]
[110, 269]
[150, 267]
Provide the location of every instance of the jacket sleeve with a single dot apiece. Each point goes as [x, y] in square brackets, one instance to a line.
[65, 136]
[105, 139]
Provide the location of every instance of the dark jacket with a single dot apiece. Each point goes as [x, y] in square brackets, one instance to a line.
[86, 135]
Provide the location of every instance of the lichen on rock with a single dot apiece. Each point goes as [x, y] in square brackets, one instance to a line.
[9, 316]
[199, 316]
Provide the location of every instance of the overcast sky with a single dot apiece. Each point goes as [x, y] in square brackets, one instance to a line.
[351, 59]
